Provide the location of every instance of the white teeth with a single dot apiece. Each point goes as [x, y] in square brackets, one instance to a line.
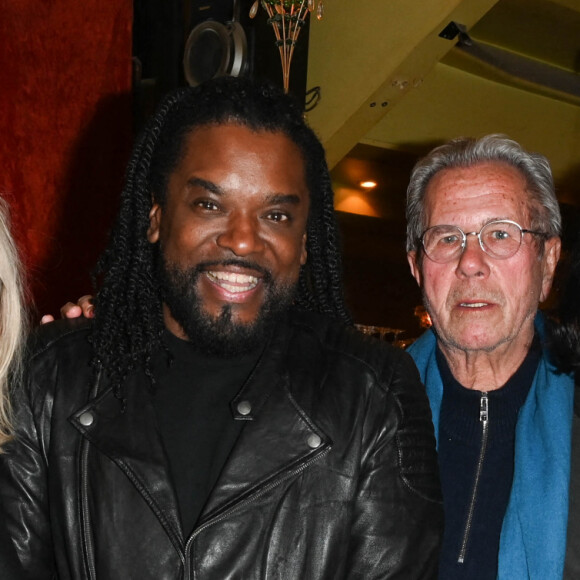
[233, 282]
[474, 304]
[236, 289]
[233, 277]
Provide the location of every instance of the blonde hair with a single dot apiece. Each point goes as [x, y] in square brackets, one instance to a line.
[13, 321]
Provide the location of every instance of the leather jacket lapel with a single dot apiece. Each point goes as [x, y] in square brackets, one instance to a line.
[130, 438]
[279, 440]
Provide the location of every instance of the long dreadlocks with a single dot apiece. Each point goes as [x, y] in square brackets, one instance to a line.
[128, 322]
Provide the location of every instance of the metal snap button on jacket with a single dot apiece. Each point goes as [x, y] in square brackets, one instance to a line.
[87, 419]
[244, 407]
[314, 441]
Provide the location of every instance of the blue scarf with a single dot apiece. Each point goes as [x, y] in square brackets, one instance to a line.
[533, 536]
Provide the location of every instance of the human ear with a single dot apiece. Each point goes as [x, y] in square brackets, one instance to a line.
[154, 223]
[412, 258]
[552, 248]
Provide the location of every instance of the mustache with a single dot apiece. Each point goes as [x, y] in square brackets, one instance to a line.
[267, 276]
[456, 296]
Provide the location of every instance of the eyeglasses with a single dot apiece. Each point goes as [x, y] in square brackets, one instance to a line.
[499, 239]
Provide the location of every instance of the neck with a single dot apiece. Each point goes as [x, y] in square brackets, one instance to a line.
[487, 370]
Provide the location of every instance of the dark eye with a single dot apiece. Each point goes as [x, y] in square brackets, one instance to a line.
[277, 216]
[206, 204]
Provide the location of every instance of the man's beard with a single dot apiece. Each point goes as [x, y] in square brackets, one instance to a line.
[221, 335]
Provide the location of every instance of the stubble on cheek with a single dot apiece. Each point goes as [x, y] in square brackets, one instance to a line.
[458, 326]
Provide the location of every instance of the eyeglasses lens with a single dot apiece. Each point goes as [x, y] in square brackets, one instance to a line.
[501, 239]
[443, 243]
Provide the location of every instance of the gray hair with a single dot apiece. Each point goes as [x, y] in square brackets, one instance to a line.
[467, 152]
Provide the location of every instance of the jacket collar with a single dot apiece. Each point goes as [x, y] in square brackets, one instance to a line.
[129, 437]
[278, 441]
[281, 438]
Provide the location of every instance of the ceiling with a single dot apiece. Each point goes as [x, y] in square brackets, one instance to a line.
[392, 87]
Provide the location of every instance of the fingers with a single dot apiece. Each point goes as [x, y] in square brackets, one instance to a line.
[83, 307]
[70, 310]
[87, 306]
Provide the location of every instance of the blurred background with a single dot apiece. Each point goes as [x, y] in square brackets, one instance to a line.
[382, 83]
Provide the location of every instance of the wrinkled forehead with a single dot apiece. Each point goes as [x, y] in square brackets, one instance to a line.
[473, 196]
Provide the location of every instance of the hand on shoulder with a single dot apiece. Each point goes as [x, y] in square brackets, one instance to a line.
[83, 307]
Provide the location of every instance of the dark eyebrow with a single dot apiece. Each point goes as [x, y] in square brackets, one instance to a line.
[284, 198]
[273, 198]
[208, 185]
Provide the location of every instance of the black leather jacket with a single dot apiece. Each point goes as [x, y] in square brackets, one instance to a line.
[333, 476]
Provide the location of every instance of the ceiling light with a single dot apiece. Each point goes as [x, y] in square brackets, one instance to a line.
[368, 184]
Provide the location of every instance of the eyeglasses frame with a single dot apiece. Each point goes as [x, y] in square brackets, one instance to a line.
[523, 231]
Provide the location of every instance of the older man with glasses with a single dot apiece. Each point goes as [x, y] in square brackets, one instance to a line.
[483, 243]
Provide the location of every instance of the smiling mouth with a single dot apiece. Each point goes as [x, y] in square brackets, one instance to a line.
[473, 304]
[232, 282]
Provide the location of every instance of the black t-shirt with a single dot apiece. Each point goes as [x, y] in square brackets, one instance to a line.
[460, 443]
[192, 404]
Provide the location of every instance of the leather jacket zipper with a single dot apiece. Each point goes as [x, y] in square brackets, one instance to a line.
[88, 540]
[484, 420]
[189, 574]
[85, 510]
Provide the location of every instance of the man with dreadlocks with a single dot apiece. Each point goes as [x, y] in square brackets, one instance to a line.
[219, 418]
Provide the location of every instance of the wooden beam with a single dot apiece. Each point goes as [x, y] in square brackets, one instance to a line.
[366, 55]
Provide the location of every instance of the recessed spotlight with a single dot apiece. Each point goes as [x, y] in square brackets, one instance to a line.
[368, 184]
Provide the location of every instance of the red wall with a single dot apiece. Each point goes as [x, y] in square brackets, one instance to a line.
[65, 127]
